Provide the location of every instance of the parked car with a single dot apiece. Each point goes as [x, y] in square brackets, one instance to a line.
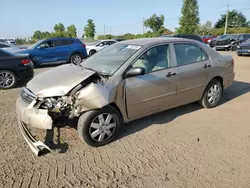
[212, 43]
[10, 41]
[207, 39]
[56, 51]
[231, 41]
[14, 68]
[9, 47]
[243, 48]
[187, 36]
[123, 82]
[92, 48]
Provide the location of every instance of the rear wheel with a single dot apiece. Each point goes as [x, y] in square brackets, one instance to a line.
[212, 95]
[76, 59]
[92, 52]
[7, 79]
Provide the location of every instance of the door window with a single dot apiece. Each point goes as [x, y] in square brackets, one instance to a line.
[47, 44]
[156, 58]
[189, 53]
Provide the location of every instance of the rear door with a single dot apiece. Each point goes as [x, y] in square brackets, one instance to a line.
[63, 49]
[194, 72]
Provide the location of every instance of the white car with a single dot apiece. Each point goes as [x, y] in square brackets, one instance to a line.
[98, 45]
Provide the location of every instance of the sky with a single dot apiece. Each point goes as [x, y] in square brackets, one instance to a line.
[20, 18]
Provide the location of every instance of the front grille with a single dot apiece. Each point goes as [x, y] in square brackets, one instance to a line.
[27, 96]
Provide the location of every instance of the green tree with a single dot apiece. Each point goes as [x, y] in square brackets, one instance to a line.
[45, 34]
[59, 30]
[71, 31]
[189, 21]
[89, 29]
[235, 19]
[37, 34]
[155, 23]
[206, 28]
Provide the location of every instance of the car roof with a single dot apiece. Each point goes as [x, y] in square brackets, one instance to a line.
[150, 41]
[60, 38]
[107, 40]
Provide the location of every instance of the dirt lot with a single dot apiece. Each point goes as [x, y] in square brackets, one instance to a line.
[184, 147]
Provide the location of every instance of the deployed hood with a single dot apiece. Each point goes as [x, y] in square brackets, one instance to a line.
[58, 81]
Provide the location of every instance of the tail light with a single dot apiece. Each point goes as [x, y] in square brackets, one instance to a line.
[25, 61]
[83, 45]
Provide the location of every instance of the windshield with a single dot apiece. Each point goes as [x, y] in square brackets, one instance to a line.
[32, 46]
[108, 60]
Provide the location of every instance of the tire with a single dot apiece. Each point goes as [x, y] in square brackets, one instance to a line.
[239, 54]
[90, 130]
[217, 95]
[9, 78]
[92, 52]
[233, 48]
[76, 58]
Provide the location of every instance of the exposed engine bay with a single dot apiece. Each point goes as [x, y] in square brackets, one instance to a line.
[67, 106]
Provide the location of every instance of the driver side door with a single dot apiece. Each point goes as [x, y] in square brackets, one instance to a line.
[156, 89]
[45, 52]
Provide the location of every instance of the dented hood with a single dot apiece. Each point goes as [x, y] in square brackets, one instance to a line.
[58, 81]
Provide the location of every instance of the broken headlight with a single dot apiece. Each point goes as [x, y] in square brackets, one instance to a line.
[54, 104]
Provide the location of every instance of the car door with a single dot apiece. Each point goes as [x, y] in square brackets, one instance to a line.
[62, 50]
[194, 72]
[156, 89]
[45, 52]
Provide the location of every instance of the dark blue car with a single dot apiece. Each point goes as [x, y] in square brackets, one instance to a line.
[56, 51]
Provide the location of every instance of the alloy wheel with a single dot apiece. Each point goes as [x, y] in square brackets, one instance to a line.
[76, 59]
[102, 127]
[7, 79]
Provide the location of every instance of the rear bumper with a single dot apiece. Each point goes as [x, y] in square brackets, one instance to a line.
[228, 80]
[35, 118]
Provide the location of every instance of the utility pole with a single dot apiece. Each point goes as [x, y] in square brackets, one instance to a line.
[104, 29]
[225, 31]
[143, 28]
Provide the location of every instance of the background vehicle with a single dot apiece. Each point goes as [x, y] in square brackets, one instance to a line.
[123, 82]
[92, 48]
[243, 48]
[212, 43]
[9, 47]
[11, 41]
[230, 42]
[187, 36]
[119, 39]
[56, 51]
[207, 39]
[14, 68]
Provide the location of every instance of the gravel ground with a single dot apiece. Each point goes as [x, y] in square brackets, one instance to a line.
[184, 147]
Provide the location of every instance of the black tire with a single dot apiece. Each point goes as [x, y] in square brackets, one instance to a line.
[75, 58]
[11, 75]
[92, 52]
[84, 126]
[239, 54]
[234, 48]
[205, 101]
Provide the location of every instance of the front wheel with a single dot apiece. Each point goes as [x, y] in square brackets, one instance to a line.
[76, 59]
[99, 127]
[92, 52]
[212, 95]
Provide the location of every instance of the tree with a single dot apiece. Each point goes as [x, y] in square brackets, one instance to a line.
[59, 28]
[71, 31]
[189, 21]
[155, 23]
[37, 34]
[235, 19]
[206, 28]
[89, 29]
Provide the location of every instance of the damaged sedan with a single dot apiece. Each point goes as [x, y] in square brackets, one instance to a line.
[126, 81]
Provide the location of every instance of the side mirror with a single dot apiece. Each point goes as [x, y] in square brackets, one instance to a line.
[135, 71]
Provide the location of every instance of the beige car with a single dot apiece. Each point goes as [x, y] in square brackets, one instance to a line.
[123, 82]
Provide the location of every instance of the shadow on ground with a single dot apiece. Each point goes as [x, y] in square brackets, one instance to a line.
[235, 90]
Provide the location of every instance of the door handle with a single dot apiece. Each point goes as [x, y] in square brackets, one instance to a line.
[171, 74]
[207, 66]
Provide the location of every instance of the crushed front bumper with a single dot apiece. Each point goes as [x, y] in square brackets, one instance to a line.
[35, 118]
